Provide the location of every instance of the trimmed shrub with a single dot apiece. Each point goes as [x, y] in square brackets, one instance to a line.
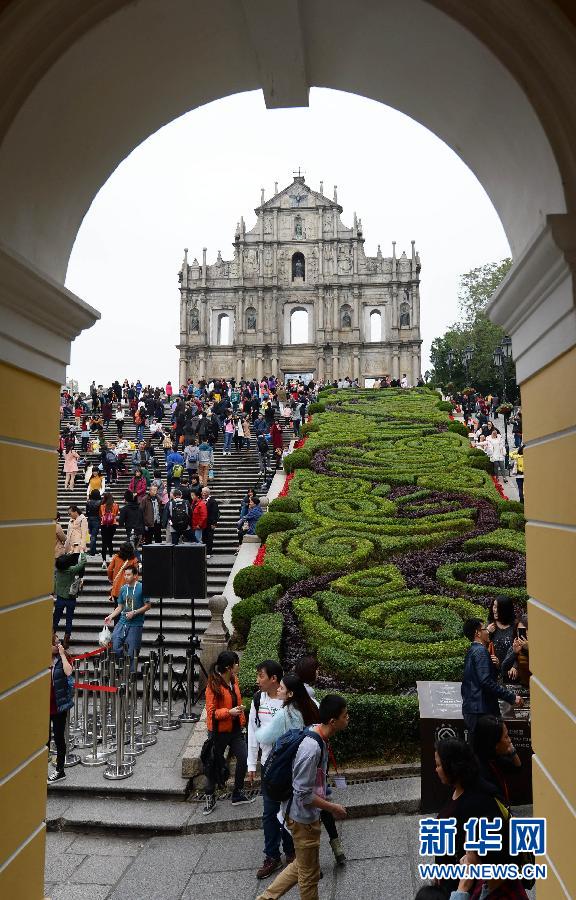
[284, 504]
[513, 520]
[376, 582]
[500, 539]
[317, 407]
[298, 459]
[252, 580]
[255, 605]
[263, 643]
[377, 722]
[453, 575]
[275, 521]
[458, 428]
[444, 405]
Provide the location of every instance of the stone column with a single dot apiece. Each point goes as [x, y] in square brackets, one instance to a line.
[415, 365]
[215, 638]
[335, 362]
[321, 366]
[356, 363]
[335, 310]
[202, 364]
[260, 315]
[183, 369]
[239, 367]
[395, 362]
[259, 365]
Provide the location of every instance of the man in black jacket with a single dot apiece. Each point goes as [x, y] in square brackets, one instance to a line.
[480, 689]
[213, 516]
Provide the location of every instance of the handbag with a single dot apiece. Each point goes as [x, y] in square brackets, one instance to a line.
[104, 637]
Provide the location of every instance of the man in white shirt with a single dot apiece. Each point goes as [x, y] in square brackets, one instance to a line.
[264, 706]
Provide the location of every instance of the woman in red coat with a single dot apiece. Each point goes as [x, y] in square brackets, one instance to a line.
[277, 443]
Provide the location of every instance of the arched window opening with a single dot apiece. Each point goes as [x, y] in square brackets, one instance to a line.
[299, 326]
[298, 266]
[251, 319]
[346, 316]
[223, 329]
[404, 314]
[375, 326]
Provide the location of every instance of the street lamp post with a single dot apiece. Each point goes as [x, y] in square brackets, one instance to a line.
[501, 355]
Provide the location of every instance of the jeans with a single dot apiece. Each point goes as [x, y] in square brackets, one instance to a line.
[305, 870]
[61, 604]
[176, 536]
[273, 830]
[129, 635]
[197, 532]
[93, 528]
[57, 725]
[228, 435]
[517, 440]
[296, 426]
[520, 485]
[139, 433]
[238, 748]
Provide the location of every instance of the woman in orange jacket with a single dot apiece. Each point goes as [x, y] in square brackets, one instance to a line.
[225, 719]
[125, 557]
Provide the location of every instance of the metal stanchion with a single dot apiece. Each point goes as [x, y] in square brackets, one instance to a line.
[137, 747]
[96, 758]
[106, 749]
[119, 768]
[169, 724]
[161, 673]
[146, 736]
[78, 725]
[86, 737]
[188, 715]
[71, 759]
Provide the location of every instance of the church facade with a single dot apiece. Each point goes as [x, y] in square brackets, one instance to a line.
[300, 297]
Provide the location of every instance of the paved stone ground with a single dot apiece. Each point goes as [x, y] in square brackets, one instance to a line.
[382, 863]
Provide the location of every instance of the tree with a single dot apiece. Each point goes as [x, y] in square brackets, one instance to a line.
[473, 329]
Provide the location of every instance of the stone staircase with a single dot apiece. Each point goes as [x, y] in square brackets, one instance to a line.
[233, 476]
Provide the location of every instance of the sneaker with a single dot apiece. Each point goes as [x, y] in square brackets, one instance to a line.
[104, 565]
[209, 805]
[338, 851]
[239, 798]
[269, 866]
[55, 776]
[208, 556]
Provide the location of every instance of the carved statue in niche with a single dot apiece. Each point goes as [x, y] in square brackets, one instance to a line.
[297, 266]
[404, 314]
[407, 294]
[344, 262]
[298, 226]
[251, 319]
[267, 225]
[346, 318]
[268, 259]
[328, 226]
[194, 320]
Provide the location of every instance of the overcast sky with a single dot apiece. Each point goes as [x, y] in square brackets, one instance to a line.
[188, 185]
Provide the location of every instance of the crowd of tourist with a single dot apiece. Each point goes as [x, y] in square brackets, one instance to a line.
[286, 730]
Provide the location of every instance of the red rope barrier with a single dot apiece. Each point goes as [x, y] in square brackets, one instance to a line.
[91, 653]
[95, 687]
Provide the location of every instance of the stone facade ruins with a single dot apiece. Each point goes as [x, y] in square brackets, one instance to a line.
[300, 297]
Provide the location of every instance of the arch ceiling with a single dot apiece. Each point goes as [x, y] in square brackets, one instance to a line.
[89, 81]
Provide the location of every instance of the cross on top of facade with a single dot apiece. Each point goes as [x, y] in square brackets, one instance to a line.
[298, 174]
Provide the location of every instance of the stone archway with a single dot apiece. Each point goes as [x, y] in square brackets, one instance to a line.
[78, 93]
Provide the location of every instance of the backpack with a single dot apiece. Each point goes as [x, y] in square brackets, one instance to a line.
[277, 771]
[108, 518]
[179, 515]
[111, 457]
[262, 444]
[177, 470]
